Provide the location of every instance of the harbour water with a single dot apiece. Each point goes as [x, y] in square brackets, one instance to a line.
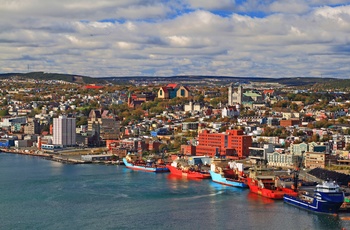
[40, 194]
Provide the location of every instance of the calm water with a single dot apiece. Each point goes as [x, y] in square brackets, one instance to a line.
[40, 194]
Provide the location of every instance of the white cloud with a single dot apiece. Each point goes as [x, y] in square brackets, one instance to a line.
[135, 37]
[290, 6]
[136, 12]
[213, 5]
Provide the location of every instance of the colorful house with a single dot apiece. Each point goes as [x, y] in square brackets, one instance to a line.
[173, 90]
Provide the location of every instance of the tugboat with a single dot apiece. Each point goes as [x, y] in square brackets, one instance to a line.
[228, 173]
[326, 198]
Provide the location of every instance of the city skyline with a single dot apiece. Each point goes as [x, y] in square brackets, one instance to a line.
[300, 38]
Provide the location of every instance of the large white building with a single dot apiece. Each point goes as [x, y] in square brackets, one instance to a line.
[64, 131]
[235, 97]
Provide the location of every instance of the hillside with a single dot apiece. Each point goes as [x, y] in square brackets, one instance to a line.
[306, 82]
[54, 76]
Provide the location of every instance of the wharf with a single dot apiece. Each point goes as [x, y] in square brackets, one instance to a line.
[68, 160]
[62, 158]
[26, 152]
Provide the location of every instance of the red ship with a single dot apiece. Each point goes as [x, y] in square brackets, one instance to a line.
[265, 183]
[265, 186]
[190, 167]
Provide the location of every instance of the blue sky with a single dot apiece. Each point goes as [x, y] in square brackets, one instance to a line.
[262, 38]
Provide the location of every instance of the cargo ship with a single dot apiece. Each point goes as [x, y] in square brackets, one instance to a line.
[326, 198]
[191, 167]
[265, 182]
[266, 187]
[230, 174]
[189, 172]
[145, 166]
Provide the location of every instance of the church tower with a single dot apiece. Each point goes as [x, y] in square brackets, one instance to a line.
[230, 94]
[240, 94]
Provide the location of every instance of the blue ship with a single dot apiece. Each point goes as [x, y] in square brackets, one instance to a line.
[326, 198]
[218, 178]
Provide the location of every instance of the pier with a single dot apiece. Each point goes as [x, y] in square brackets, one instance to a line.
[62, 158]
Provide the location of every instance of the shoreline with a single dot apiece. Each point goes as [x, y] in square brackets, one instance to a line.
[57, 158]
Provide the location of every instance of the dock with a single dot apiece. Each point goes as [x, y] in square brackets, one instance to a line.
[62, 158]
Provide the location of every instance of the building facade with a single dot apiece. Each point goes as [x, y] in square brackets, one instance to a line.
[64, 131]
[173, 90]
[231, 144]
[235, 97]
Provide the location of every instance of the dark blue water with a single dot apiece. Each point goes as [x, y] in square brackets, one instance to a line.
[39, 194]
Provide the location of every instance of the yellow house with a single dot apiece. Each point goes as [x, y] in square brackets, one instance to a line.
[173, 90]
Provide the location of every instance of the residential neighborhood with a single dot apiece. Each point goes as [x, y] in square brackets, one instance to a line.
[263, 122]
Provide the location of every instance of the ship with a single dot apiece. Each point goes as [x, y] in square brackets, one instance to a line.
[326, 198]
[266, 182]
[191, 168]
[145, 166]
[228, 173]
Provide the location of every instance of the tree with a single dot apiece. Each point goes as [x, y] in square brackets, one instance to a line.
[81, 121]
[342, 120]
[137, 114]
[294, 107]
[4, 102]
[4, 112]
[315, 138]
[34, 112]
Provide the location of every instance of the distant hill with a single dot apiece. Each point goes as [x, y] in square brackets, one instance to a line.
[298, 81]
[54, 76]
[317, 83]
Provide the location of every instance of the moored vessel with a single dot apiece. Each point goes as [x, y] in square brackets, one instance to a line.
[228, 173]
[145, 166]
[326, 198]
[265, 182]
[191, 167]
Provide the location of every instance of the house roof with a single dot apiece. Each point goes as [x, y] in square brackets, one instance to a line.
[93, 87]
[105, 113]
[172, 85]
[164, 89]
[251, 94]
[269, 91]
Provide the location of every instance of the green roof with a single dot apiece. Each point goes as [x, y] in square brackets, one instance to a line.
[251, 94]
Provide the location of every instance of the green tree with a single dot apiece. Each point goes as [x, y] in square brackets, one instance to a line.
[342, 120]
[4, 112]
[81, 121]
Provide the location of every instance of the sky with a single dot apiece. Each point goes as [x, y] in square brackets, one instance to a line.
[104, 38]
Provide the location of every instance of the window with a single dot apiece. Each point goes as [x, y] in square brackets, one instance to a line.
[161, 92]
[182, 92]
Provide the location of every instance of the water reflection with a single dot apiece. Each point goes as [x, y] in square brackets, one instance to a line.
[323, 221]
[257, 199]
[220, 187]
[181, 178]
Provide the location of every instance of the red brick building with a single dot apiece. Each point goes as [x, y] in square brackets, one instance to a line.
[188, 150]
[290, 122]
[232, 144]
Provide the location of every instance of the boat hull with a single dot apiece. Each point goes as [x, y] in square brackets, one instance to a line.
[276, 193]
[192, 175]
[145, 168]
[217, 178]
[327, 206]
